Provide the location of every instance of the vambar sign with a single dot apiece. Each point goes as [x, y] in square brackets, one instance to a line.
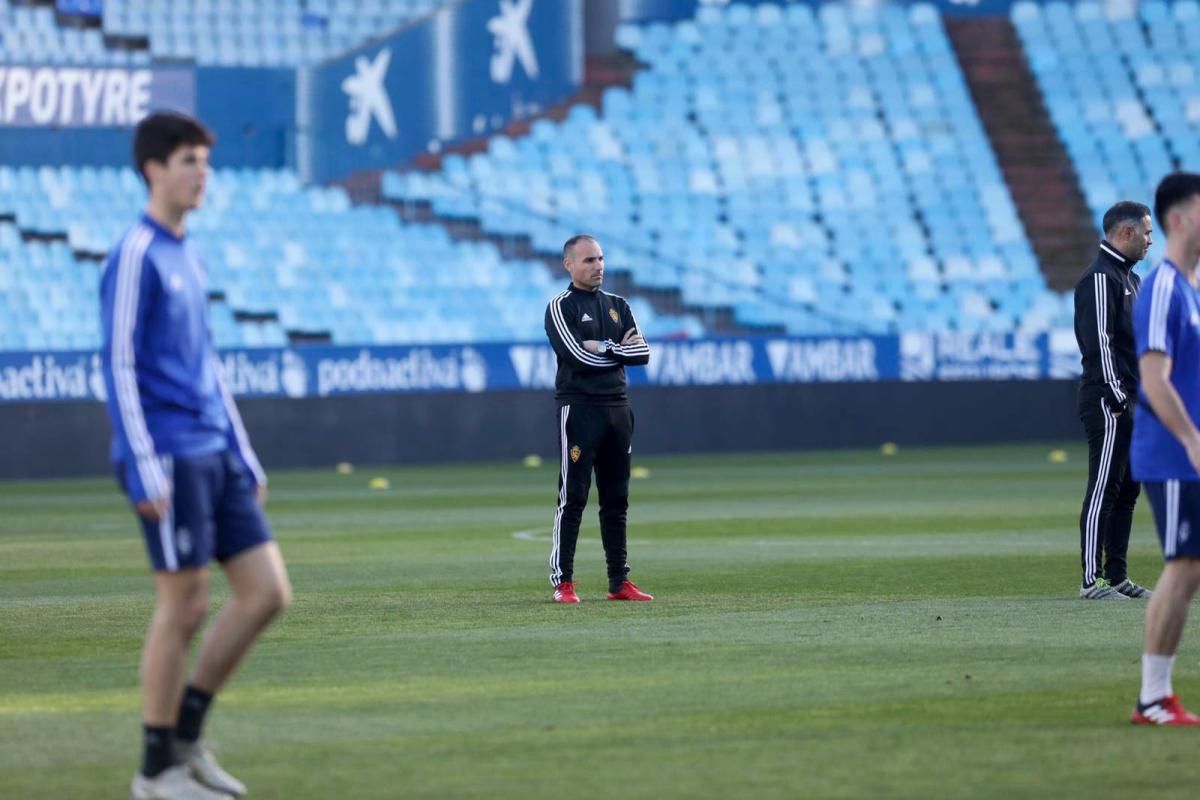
[703, 363]
[823, 360]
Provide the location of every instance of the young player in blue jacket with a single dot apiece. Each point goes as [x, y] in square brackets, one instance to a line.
[1166, 442]
[183, 458]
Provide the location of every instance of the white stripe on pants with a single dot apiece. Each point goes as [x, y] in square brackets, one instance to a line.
[555, 567]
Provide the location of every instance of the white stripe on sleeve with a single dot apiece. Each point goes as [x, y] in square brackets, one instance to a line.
[1160, 306]
[568, 338]
[125, 309]
[629, 349]
[1106, 355]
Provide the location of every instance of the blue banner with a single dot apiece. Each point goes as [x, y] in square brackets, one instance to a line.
[317, 371]
[462, 72]
[82, 97]
[85, 116]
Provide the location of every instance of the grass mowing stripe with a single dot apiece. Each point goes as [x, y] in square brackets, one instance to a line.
[835, 625]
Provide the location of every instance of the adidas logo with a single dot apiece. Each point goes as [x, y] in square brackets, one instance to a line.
[585, 318]
[1157, 713]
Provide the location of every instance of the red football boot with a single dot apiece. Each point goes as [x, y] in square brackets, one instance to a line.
[629, 592]
[565, 593]
[1168, 711]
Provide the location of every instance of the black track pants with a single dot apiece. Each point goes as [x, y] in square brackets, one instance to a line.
[599, 438]
[1107, 515]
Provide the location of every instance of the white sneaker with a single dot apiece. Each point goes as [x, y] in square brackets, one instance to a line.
[203, 767]
[1101, 590]
[171, 784]
[1131, 589]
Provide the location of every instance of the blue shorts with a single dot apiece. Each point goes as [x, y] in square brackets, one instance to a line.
[1176, 507]
[214, 512]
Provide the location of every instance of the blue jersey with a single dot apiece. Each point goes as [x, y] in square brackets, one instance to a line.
[166, 395]
[1166, 319]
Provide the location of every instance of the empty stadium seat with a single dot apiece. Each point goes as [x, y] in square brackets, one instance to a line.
[281, 258]
[272, 33]
[791, 164]
[1120, 88]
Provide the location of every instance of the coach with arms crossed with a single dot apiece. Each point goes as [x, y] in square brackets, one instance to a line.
[595, 337]
[1104, 299]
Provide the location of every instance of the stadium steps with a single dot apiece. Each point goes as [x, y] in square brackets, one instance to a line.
[1036, 165]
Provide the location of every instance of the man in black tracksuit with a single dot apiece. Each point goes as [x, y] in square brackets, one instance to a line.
[595, 337]
[1104, 299]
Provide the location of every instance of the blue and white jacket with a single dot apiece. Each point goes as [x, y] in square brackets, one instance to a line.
[166, 393]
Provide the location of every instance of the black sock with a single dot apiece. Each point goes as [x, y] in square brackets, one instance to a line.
[156, 750]
[191, 714]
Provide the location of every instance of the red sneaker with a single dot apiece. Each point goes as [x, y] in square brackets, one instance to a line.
[629, 592]
[1168, 711]
[565, 593]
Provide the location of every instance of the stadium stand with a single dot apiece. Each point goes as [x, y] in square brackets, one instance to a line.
[282, 260]
[1120, 87]
[31, 34]
[825, 171]
[250, 33]
[820, 171]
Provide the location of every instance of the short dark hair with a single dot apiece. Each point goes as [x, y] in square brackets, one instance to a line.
[161, 133]
[574, 240]
[1176, 188]
[1125, 212]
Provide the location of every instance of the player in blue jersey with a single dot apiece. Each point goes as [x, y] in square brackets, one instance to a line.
[1165, 454]
[183, 458]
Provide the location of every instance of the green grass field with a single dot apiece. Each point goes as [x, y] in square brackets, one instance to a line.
[827, 626]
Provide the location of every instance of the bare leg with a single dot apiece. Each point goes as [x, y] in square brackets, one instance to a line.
[1167, 610]
[261, 591]
[181, 604]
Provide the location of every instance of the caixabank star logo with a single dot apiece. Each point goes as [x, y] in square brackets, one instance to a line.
[510, 32]
[369, 100]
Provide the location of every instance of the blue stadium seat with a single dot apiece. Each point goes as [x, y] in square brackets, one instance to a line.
[1129, 70]
[712, 128]
[221, 32]
[309, 256]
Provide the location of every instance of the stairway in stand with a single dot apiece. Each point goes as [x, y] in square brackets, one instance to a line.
[1035, 164]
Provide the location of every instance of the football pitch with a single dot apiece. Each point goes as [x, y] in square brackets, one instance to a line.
[828, 625]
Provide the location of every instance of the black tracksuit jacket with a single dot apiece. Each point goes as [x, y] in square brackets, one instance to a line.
[1104, 300]
[584, 378]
